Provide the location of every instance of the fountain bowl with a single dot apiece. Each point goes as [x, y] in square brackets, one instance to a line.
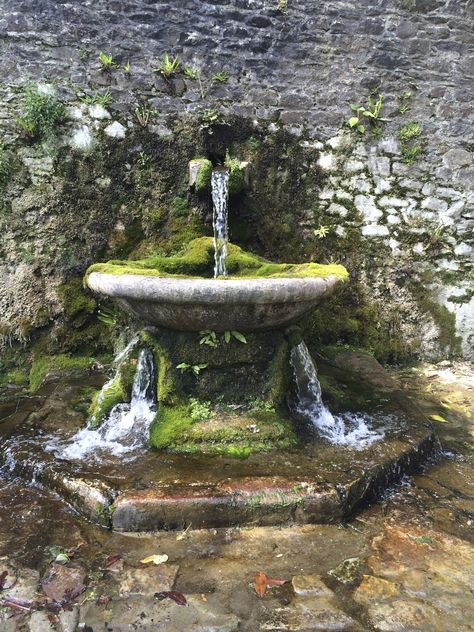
[218, 304]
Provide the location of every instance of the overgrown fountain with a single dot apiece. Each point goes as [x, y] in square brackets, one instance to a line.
[219, 370]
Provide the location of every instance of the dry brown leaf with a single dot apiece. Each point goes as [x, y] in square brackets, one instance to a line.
[260, 583]
[155, 559]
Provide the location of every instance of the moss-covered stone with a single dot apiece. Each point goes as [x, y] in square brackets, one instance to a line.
[111, 394]
[197, 260]
[59, 365]
[203, 175]
[236, 169]
[175, 429]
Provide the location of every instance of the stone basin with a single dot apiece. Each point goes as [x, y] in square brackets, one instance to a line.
[216, 304]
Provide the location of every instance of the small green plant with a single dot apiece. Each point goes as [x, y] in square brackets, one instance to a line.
[195, 368]
[144, 114]
[221, 77]
[282, 6]
[258, 404]
[377, 132]
[322, 231]
[210, 118]
[143, 159]
[411, 149]
[107, 61]
[84, 54]
[168, 66]
[97, 99]
[127, 67]
[42, 112]
[199, 410]
[107, 315]
[234, 335]
[403, 102]
[209, 338]
[409, 131]
[4, 167]
[371, 113]
[190, 72]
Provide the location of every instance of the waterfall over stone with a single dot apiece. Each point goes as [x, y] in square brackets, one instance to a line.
[127, 426]
[220, 197]
[350, 429]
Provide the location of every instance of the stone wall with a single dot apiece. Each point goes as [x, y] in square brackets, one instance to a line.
[402, 223]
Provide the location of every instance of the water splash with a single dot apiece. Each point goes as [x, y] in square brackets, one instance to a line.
[220, 197]
[126, 428]
[349, 429]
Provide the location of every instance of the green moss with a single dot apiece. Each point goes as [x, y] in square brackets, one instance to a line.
[76, 301]
[175, 430]
[446, 323]
[203, 179]
[198, 260]
[279, 375]
[179, 206]
[60, 363]
[104, 400]
[236, 175]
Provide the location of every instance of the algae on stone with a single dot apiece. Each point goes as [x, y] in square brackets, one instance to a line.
[197, 260]
[60, 364]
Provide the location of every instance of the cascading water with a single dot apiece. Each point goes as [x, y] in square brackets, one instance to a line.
[126, 428]
[220, 197]
[347, 429]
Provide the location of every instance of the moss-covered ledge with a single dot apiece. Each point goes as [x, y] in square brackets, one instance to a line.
[197, 261]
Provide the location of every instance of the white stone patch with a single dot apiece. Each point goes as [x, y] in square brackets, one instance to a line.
[327, 162]
[455, 209]
[360, 183]
[340, 231]
[448, 264]
[375, 230]
[386, 201]
[115, 130]
[46, 88]
[392, 219]
[428, 188]
[463, 250]
[98, 111]
[82, 138]
[314, 144]
[448, 193]
[75, 113]
[434, 204]
[103, 182]
[338, 142]
[382, 185]
[464, 314]
[395, 246]
[353, 166]
[366, 206]
[389, 146]
[343, 195]
[379, 165]
[326, 194]
[414, 185]
[337, 209]
[419, 248]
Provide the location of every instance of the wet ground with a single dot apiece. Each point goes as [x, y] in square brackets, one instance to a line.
[404, 563]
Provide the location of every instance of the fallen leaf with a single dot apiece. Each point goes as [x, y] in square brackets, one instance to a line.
[177, 597]
[276, 582]
[184, 533]
[260, 583]
[203, 597]
[102, 600]
[438, 418]
[156, 559]
[3, 579]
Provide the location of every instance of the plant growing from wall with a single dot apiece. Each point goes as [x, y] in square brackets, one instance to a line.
[192, 73]
[169, 66]
[194, 368]
[403, 102]
[107, 62]
[221, 77]
[42, 112]
[97, 99]
[209, 338]
[412, 149]
[234, 335]
[144, 114]
[209, 119]
[369, 113]
[322, 231]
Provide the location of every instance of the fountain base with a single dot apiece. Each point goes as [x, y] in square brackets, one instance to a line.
[318, 482]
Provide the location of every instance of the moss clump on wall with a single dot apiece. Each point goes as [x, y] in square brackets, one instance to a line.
[236, 175]
[112, 393]
[198, 260]
[204, 175]
[62, 364]
[78, 304]
[175, 429]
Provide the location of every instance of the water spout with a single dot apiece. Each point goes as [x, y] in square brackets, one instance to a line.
[126, 428]
[352, 429]
[220, 197]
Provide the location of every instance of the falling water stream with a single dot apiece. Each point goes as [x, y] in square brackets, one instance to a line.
[220, 197]
[350, 429]
[127, 425]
